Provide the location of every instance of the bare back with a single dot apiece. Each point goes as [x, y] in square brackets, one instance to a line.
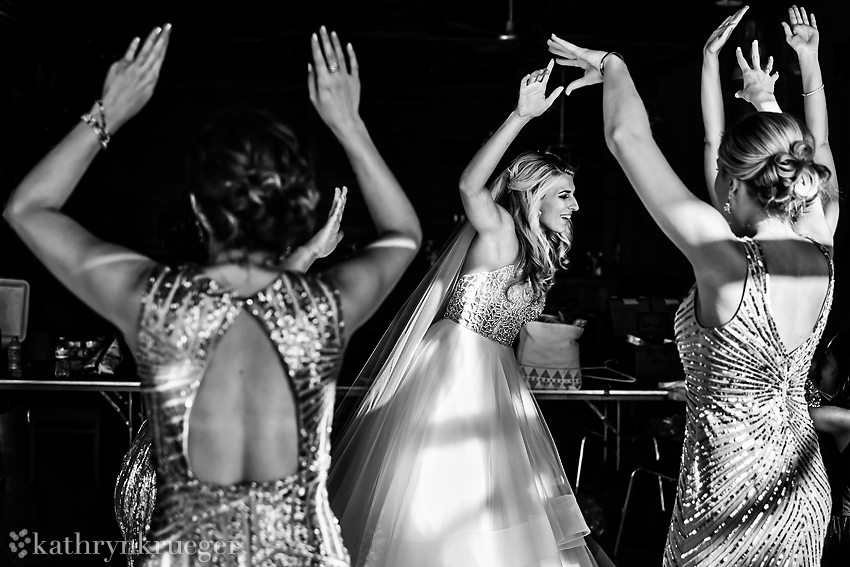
[243, 425]
[239, 379]
[797, 287]
[798, 277]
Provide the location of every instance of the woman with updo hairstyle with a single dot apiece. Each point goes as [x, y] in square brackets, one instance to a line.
[448, 461]
[238, 356]
[773, 155]
[752, 486]
[250, 185]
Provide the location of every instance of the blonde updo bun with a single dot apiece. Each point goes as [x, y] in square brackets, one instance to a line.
[774, 155]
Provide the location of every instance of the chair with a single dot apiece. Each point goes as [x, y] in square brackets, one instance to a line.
[670, 428]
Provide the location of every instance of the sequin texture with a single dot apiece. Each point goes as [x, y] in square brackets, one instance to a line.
[478, 302]
[752, 487]
[282, 523]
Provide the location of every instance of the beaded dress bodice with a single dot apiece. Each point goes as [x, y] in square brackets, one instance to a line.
[478, 302]
[279, 523]
[752, 487]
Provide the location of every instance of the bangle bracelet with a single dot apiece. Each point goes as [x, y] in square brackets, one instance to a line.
[99, 126]
[820, 88]
[103, 119]
[602, 63]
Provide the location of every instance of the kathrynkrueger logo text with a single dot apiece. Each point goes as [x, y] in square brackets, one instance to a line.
[24, 543]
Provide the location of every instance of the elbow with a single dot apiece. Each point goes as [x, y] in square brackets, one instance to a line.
[415, 234]
[11, 213]
[465, 186]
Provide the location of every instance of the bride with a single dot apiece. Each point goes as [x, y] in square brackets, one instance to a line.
[448, 462]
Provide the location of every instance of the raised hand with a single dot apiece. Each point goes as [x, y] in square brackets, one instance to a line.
[325, 241]
[574, 56]
[720, 36]
[802, 34]
[532, 93]
[334, 85]
[131, 80]
[758, 82]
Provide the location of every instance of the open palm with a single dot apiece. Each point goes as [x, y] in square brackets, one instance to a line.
[532, 93]
[802, 33]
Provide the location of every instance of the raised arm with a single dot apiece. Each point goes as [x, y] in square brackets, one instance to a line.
[803, 37]
[480, 208]
[365, 280]
[693, 225]
[107, 277]
[711, 98]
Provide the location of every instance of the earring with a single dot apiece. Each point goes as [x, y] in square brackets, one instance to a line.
[202, 237]
[728, 206]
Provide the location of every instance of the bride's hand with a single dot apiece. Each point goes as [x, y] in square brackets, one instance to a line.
[574, 56]
[131, 80]
[532, 93]
[758, 82]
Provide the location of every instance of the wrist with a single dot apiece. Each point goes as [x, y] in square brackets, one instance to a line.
[95, 119]
[352, 132]
[766, 103]
[807, 57]
[610, 62]
[522, 119]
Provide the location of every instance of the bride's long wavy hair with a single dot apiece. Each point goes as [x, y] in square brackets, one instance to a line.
[520, 188]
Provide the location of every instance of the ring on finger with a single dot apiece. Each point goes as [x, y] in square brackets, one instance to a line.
[333, 68]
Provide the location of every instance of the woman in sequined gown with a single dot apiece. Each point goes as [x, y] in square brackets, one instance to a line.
[238, 358]
[447, 461]
[752, 487]
[135, 487]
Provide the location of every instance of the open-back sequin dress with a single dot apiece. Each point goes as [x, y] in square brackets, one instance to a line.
[454, 466]
[282, 523]
[752, 488]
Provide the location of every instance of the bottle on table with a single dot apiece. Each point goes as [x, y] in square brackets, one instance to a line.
[13, 357]
[62, 356]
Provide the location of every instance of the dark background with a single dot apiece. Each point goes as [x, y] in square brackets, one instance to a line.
[437, 80]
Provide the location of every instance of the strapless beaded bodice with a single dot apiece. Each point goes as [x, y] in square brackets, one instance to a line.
[479, 303]
[287, 522]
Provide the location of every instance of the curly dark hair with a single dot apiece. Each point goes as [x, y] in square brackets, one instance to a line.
[774, 154]
[251, 184]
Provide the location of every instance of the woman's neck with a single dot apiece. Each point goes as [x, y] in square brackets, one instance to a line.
[773, 228]
[243, 258]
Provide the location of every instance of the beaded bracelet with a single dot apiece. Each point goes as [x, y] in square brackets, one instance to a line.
[99, 126]
[820, 88]
[602, 63]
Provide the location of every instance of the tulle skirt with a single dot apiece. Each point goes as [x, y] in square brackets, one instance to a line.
[457, 468]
